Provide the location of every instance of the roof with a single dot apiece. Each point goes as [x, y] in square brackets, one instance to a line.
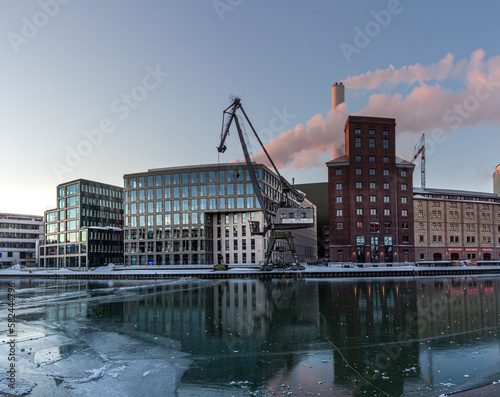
[403, 163]
[451, 192]
[338, 161]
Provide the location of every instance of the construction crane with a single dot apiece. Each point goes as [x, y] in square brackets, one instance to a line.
[280, 216]
[419, 149]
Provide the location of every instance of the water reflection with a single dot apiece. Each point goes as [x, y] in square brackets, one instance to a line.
[397, 337]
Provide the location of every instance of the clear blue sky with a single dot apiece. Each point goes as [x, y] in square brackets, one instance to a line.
[67, 64]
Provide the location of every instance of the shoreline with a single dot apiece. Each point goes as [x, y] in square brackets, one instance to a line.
[111, 273]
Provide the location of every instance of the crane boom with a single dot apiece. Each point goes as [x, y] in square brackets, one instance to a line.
[419, 150]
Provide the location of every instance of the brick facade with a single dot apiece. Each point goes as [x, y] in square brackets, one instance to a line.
[370, 196]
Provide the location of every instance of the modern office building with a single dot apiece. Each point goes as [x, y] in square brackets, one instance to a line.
[86, 228]
[370, 196]
[20, 236]
[456, 225]
[196, 215]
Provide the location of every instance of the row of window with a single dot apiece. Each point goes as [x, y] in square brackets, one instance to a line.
[373, 211]
[185, 178]
[186, 259]
[19, 226]
[13, 244]
[187, 245]
[74, 189]
[372, 159]
[20, 235]
[167, 233]
[371, 131]
[371, 143]
[229, 189]
[374, 226]
[373, 185]
[189, 205]
[456, 239]
[485, 216]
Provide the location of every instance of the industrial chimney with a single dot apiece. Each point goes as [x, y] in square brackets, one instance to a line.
[338, 95]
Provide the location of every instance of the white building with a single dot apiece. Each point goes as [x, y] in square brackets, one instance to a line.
[20, 236]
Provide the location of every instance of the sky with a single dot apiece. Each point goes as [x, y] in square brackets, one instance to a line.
[96, 90]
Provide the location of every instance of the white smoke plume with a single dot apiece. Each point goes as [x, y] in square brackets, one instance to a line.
[302, 147]
[428, 107]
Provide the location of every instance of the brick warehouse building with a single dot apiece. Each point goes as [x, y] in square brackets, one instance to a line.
[370, 193]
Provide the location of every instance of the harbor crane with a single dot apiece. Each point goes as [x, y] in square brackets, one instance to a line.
[280, 216]
[419, 150]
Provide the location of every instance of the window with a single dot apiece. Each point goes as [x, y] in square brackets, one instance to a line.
[339, 225]
[359, 211]
[338, 199]
[357, 130]
[404, 186]
[358, 159]
[339, 212]
[357, 142]
[373, 211]
[404, 212]
[387, 212]
[403, 173]
[371, 131]
[406, 239]
[372, 171]
[386, 173]
[374, 227]
[372, 159]
[420, 214]
[338, 186]
[404, 200]
[359, 185]
[373, 199]
[387, 225]
[372, 185]
[385, 159]
[385, 143]
[358, 171]
[421, 238]
[385, 132]
[338, 171]
[387, 199]
[386, 186]
[359, 224]
[371, 143]
[359, 199]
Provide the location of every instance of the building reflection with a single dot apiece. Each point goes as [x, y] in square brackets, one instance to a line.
[364, 319]
[378, 331]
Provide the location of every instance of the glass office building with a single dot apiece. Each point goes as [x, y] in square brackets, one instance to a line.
[86, 228]
[196, 215]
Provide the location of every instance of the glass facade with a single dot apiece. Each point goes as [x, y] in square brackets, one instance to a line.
[86, 230]
[186, 213]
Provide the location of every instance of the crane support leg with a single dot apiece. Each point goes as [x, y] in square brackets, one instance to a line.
[274, 238]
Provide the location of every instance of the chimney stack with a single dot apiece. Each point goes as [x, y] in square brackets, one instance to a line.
[338, 94]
